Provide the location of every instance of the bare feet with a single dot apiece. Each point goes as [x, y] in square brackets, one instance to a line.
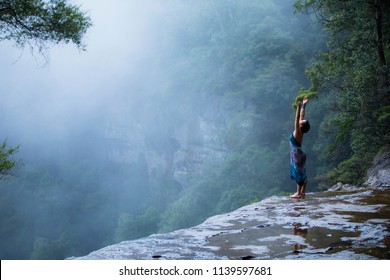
[296, 195]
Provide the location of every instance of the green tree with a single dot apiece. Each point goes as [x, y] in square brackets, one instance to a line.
[132, 227]
[6, 163]
[355, 70]
[37, 23]
[45, 249]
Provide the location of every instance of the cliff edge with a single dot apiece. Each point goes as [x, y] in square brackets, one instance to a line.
[345, 222]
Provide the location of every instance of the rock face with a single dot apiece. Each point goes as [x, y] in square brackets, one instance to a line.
[379, 173]
[345, 222]
[175, 150]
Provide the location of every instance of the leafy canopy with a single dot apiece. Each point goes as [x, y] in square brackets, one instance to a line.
[354, 69]
[6, 164]
[37, 23]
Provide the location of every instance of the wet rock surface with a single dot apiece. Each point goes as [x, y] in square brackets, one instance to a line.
[345, 222]
[352, 223]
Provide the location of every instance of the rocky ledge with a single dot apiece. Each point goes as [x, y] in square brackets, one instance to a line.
[345, 222]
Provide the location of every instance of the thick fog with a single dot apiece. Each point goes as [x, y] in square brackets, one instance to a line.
[176, 111]
[45, 95]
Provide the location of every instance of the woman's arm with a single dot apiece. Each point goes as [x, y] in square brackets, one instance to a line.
[302, 114]
[297, 117]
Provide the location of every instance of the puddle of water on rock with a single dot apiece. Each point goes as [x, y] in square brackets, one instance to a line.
[279, 242]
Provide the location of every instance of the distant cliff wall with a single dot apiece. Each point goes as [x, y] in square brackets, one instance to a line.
[180, 150]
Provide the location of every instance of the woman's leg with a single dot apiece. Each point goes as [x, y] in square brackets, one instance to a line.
[297, 194]
[303, 189]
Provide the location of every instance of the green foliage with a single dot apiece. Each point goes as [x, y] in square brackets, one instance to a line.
[310, 93]
[6, 162]
[237, 197]
[132, 227]
[350, 171]
[38, 23]
[45, 249]
[243, 177]
[354, 69]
